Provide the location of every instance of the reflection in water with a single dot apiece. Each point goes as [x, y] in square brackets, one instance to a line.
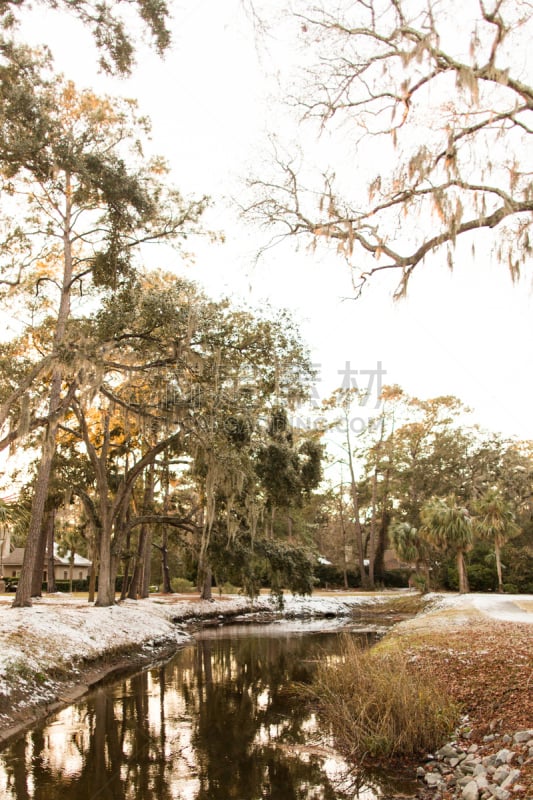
[219, 721]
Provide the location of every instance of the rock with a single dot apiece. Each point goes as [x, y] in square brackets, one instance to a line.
[447, 752]
[489, 738]
[500, 774]
[473, 748]
[510, 779]
[453, 762]
[432, 779]
[481, 781]
[501, 794]
[506, 739]
[504, 756]
[523, 736]
[420, 772]
[471, 791]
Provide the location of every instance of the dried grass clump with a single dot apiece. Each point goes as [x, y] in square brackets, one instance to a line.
[377, 706]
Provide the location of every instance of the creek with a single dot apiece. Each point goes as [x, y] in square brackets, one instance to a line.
[220, 720]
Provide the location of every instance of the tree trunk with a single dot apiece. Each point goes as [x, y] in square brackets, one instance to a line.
[37, 577]
[165, 569]
[343, 540]
[24, 588]
[497, 553]
[461, 568]
[71, 570]
[51, 571]
[136, 578]
[147, 565]
[206, 592]
[137, 586]
[289, 527]
[106, 591]
[25, 584]
[94, 565]
[357, 519]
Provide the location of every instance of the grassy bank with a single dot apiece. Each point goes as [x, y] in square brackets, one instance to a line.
[405, 695]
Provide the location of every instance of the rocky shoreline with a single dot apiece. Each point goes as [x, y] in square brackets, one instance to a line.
[490, 770]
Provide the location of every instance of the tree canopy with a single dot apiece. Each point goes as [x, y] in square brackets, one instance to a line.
[427, 110]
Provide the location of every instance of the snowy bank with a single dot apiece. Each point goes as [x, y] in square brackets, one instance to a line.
[54, 651]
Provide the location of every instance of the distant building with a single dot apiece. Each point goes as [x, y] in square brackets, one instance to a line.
[12, 564]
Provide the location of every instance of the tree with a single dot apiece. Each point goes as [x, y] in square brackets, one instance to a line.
[436, 94]
[87, 215]
[107, 24]
[448, 525]
[410, 547]
[494, 520]
[342, 401]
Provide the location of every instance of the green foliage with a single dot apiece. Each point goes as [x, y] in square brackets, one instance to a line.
[518, 570]
[288, 469]
[447, 524]
[107, 25]
[264, 562]
[182, 586]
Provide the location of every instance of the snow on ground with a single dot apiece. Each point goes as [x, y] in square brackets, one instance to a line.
[44, 646]
[60, 632]
[504, 607]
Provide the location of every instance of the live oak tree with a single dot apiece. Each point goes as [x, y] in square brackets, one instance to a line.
[185, 380]
[428, 110]
[84, 218]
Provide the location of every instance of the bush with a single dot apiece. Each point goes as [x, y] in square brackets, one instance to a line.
[396, 578]
[378, 706]
[77, 586]
[328, 576]
[182, 585]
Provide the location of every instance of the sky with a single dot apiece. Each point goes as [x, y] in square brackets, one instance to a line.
[213, 101]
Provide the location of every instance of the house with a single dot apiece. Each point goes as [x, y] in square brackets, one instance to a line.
[11, 565]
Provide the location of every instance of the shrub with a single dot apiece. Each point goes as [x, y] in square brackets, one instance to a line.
[182, 585]
[377, 706]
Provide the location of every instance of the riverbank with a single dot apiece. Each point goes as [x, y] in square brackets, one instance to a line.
[478, 647]
[54, 652]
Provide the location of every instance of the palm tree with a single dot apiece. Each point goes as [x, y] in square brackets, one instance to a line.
[494, 520]
[448, 525]
[410, 547]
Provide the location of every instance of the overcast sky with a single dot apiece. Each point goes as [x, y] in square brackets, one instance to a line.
[212, 102]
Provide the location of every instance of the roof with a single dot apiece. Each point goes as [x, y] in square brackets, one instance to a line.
[16, 557]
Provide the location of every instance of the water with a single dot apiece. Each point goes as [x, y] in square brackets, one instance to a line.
[218, 721]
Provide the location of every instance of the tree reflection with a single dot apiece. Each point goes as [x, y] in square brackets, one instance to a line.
[219, 721]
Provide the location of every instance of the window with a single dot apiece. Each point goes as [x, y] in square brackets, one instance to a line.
[80, 575]
[65, 575]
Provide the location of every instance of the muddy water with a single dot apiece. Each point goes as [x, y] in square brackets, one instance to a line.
[218, 721]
